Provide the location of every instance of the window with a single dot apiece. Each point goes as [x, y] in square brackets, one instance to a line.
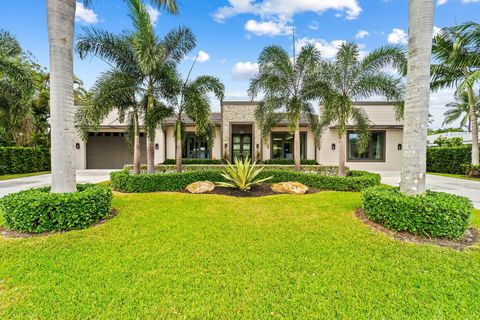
[195, 147]
[282, 145]
[375, 150]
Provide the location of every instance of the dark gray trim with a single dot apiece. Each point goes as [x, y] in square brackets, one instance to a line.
[230, 137]
[374, 127]
[288, 132]
[384, 147]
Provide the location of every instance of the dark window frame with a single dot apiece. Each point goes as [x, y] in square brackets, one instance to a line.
[371, 159]
[303, 155]
[185, 154]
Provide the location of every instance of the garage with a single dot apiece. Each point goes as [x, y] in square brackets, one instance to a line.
[109, 150]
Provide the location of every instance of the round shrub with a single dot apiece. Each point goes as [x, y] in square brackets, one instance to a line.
[432, 214]
[39, 210]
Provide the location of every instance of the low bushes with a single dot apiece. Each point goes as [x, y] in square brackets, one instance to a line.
[23, 160]
[194, 161]
[290, 161]
[448, 159]
[123, 181]
[39, 210]
[432, 214]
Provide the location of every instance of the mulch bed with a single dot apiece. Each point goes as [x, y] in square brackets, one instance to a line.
[257, 191]
[7, 233]
[470, 238]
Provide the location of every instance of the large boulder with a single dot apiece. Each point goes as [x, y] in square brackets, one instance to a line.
[289, 187]
[200, 187]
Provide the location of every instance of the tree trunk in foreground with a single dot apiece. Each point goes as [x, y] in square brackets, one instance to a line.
[296, 146]
[341, 156]
[60, 20]
[414, 163]
[178, 150]
[136, 149]
[474, 125]
[151, 155]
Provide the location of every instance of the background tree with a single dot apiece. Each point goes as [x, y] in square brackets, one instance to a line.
[414, 157]
[288, 91]
[460, 110]
[349, 78]
[457, 51]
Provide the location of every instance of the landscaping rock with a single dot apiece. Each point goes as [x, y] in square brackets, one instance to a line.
[289, 187]
[200, 187]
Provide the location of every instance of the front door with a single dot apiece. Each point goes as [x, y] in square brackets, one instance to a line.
[241, 146]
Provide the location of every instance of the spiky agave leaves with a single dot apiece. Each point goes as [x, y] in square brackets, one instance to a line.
[243, 174]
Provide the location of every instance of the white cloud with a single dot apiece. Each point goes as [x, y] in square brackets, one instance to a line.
[314, 25]
[327, 49]
[245, 70]
[436, 30]
[153, 13]
[286, 8]
[268, 28]
[441, 2]
[397, 36]
[85, 15]
[362, 34]
[203, 56]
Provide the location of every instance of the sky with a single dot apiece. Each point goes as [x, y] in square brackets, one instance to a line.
[232, 33]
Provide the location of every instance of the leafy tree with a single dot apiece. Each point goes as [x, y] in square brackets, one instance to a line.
[460, 110]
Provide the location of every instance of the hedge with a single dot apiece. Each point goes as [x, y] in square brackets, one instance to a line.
[23, 160]
[123, 181]
[39, 210]
[290, 161]
[432, 214]
[448, 159]
[194, 161]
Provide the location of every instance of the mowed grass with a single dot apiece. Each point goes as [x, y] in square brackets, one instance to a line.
[172, 255]
[452, 175]
[22, 175]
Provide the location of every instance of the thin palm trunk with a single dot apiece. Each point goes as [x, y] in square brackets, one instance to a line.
[341, 156]
[420, 21]
[150, 142]
[60, 16]
[474, 125]
[136, 150]
[296, 145]
[178, 152]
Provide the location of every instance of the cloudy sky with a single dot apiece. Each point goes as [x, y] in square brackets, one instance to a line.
[231, 33]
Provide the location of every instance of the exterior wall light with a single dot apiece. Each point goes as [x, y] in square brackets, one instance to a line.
[157, 146]
[333, 146]
[77, 146]
[399, 146]
[258, 146]
[226, 146]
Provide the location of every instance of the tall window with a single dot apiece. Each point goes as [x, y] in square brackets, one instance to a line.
[375, 150]
[195, 147]
[282, 145]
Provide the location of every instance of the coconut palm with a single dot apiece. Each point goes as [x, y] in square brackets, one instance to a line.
[60, 18]
[460, 110]
[288, 91]
[147, 55]
[457, 51]
[420, 21]
[349, 78]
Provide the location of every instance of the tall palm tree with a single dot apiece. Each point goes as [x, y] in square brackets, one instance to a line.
[147, 55]
[460, 110]
[414, 164]
[60, 18]
[457, 50]
[350, 77]
[288, 91]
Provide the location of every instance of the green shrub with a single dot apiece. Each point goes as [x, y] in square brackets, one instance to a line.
[243, 175]
[123, 181]
[432, 214]
[448, 142]
[23, 160]
[194, 161]
[290, 161]
[468, 168]
[39, 210]
[448, 159]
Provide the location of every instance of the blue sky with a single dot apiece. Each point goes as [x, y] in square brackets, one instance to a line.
[231, 33]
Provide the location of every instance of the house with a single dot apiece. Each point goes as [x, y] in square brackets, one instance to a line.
[237, 134]
[465, 136]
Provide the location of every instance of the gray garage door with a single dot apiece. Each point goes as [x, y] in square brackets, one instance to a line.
[109, 150]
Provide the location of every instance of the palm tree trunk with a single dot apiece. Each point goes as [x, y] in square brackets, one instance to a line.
[474, 125]
[178, 152]
[414, 158]
[60, 16]
[341, 156]
[296, 146]
[150, 142]
[136, 150]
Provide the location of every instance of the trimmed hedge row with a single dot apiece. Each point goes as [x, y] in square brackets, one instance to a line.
[24, 160]
[39, 210]
[432, 214]
[290, 161]
[194, 161]
[448, 159]
[123, 181]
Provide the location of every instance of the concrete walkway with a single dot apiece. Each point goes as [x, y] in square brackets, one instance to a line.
[19, 184]
[466, 188]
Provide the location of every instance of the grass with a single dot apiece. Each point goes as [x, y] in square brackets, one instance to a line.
[452, 175]
[172, 255]
[21, 175]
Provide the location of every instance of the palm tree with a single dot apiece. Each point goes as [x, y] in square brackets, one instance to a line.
[350, 77]
[147, 56]
[288, 91]
[60, 18]
[420, 21]
[457, 51]
[460, 109]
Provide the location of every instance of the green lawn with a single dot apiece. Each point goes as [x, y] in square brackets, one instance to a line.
[21, 175]
[206, 256]
[451, 175]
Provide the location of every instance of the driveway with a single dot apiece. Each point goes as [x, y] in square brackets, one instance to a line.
[466, 188]
[19, 184]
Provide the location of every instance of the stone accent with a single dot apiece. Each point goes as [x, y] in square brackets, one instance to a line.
[289, 187]
[200, 187]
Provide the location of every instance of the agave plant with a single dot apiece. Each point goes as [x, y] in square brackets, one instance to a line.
[242, 174]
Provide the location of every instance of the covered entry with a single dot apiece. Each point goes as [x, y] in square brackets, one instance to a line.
[109, 150]
[242, 141]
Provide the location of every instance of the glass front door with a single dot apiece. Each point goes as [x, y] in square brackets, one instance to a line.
[241, 146]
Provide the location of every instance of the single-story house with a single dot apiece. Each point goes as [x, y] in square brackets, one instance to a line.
[237, 134]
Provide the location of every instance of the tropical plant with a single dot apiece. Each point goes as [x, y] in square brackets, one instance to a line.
[288, 92]
[460, 110]
[60, 18]
[457, 53]
[242, 175]
[350, 77]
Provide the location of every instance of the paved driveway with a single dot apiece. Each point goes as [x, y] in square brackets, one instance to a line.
[466, 188]
[83, 176]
